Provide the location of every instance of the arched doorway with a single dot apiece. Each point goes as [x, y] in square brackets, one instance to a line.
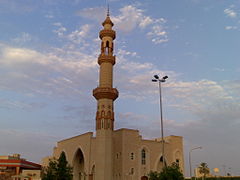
[144, 178]
[78, 166]
[160, 164]
[178, 158]
[92, 175]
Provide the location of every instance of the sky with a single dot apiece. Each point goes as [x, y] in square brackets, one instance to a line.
[48, 69]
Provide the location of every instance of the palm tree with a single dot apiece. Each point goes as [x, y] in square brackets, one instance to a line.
[203, 169]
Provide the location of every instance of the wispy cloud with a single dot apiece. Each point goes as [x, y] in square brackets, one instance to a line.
[51, 73]
[219, 69]
[230, 12]
[96, 13]
[23, 38]
[77, 38]
[78, 35]
[231, 27]
[49, 16]
[158, 34]
[131, 18]
[16, 6]
[61, 29]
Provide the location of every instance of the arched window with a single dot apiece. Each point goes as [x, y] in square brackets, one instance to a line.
[161, 159]
[177, 157]
[107, 47]
[107, 44]
[102, 114]
[143, 154]
[132, 156]
[177, 161]
[102, 123]
[132, 171]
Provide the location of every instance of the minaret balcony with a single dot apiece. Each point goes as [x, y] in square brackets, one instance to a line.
[107, 32]
[105, 93]
[106, 58]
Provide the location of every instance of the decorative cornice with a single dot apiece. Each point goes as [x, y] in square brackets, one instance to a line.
[105, 92]
[107, 32]
[106, 58]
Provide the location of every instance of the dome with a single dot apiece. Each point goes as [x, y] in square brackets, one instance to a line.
[107, 21]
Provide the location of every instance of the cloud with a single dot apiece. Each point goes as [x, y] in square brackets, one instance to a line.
[96, 13]
[49, 16]
[129, 19]
[158, 34]
[75, 38]
[16, 6]
[61, 29]
[219, 69]
[230, 12]
[53, 73]
[23, 38]
[145, 22]
[231, 27]
[204, 98]
[132, 17]
[211, 114]
[57, 72]
[78, 35]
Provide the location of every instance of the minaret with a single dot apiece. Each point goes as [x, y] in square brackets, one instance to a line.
[105, 95]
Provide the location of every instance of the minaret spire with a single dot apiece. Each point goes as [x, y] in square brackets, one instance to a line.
[108, 12]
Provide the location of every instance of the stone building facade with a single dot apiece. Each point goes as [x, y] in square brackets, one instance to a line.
[13, 167]
[115, 154]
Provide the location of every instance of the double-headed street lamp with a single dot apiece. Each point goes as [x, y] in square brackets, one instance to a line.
[157, 79]
[190, 162]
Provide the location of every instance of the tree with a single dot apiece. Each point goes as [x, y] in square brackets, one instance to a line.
[168, 173]
[154, 175]
[64, 171]
[58, 169]
[203, 169]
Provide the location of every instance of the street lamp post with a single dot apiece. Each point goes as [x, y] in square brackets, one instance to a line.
[156, 79]
[190, 162]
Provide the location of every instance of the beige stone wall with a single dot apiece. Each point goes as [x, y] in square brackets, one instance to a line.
[127, 145]
[32, 174]
[125, 142]
[84, 144]
[104, 154]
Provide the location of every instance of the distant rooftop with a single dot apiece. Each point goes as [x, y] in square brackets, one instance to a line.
[15, 160]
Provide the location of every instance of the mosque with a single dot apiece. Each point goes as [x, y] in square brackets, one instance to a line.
[111, 154]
